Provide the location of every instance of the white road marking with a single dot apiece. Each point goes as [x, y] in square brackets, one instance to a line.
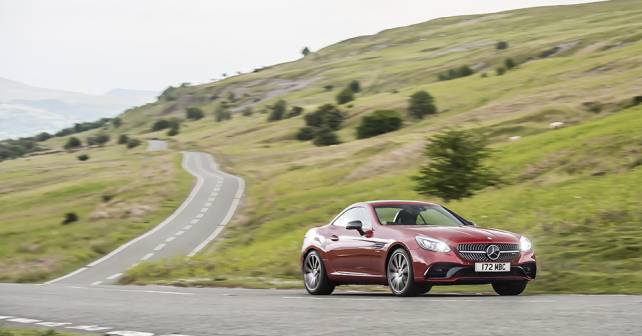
[214, 194]
[5, 317]
[129, 333]
[199, 183]
[53, 324]
[199, 215]
[159, 247]
[147, 256]
[23, 320]
[115, 276]
[179, 233]
[89, 328]
[169, 239]
[204, 209]
[211, 199]
[217, 189]
[187, 227]
[194, 221]
[96, 283]
[208, 204]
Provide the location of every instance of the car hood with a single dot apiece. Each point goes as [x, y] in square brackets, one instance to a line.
[461, 234]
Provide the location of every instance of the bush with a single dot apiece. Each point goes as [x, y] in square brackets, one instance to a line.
[247, 112]
[328, 87]
[326, 115]
[295, 111]
[455, 166]
[305, 51]
[194, 113]
[100, 140]
[509, 63]
[43, 136]
[500, 71]
[325, 137]
[277, 111]
[171, 93]
[501, 45]
[116, 122]
[346, 95]
[70, 217]
[122, 139]
[379, 122]
[72, 143]
[173, 131]
[462, 71]
[222, 113]
[161, 124]
[420, 104]
[11, 148]
[355, 86]
[131, 143]
[83, 157]
[306, 133]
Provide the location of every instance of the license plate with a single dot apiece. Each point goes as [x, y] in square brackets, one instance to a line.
[492, 267]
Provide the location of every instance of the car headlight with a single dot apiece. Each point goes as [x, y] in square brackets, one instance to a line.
[432, 244]
[525, 244]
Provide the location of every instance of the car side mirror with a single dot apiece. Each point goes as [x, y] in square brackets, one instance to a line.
[355, 225]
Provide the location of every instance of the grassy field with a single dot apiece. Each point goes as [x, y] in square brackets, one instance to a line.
[572, 190]
[32, 332]
[117, 194]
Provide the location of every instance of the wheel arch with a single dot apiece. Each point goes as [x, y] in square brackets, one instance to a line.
[393, 247]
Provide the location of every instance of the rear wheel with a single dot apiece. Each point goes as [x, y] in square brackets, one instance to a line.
[510, 287]
[315, 278]
[400, 275]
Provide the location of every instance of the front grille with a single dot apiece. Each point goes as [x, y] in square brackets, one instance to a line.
[477, 251]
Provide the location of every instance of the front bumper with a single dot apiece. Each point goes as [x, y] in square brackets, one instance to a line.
[451, 269]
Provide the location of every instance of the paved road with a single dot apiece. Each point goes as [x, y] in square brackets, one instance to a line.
[220, 311]
[195, 223]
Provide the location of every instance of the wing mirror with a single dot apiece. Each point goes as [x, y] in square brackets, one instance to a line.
[355, 225]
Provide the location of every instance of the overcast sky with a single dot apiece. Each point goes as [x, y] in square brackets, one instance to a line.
[93, 46]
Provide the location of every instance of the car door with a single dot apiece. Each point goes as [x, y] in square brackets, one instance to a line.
[351, 253]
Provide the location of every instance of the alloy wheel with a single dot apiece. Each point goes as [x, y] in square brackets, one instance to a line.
[398, 273]
[312, 271]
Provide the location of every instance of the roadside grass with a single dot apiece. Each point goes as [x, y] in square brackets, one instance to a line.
[117, 195]
[4, 331]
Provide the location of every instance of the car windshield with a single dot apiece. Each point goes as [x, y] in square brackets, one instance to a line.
[415, 214]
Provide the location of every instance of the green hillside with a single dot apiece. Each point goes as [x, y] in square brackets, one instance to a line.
[573, 190]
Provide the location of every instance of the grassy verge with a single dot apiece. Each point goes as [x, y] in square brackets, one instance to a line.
[117, 195]
[32, 332]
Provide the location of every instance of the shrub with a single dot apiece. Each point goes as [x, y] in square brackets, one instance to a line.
[325, 137]
[637, 100]
[305, 51]
[379, 122]
[277, 111]
[355, 86]
[194, 113]
[455, 166]
[122, 139]
[100, 140]
[83, 157]
[116, 122]
[420, 104]
[72, 142]
[295, 111]
[328, 87]
[346, 95]
[247, 112]
[306, 133]
[501, 45]
[131, 143]
[70, 217]
[509, 63]
[462, 71]
[222, 113]
[171, 93]
[500, 71]
[43, 136]
[314, 119]
[161, 124]
[174, 130]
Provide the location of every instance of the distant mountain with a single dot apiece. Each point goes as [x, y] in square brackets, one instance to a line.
[26, 110]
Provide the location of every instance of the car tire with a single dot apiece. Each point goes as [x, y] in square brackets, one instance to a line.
[400, 275]
[315, 279]
[509, 287]
[423, 289]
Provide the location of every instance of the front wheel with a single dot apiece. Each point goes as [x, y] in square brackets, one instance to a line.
[509, 288]
[315, 278]
[400, 276]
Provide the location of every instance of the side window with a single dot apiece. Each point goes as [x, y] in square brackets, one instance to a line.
[357, 213]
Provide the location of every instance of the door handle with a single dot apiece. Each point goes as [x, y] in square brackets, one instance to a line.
[334, 238]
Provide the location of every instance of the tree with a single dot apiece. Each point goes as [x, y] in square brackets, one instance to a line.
[464, 71]
[509, 63]
[277, 111]
[43, 136]
[100, 140]
[332, 116]
[305, 51]
[72, 143]
[161, 124]
[455, 166]
[116, 122]
[420, 104]
[325, 137]
[123, 139]
[194, 113]
[346, 95]
[379, 122]
[355, 86]
[294, 112]
[131, 143]
[306, 133]
[501, 45]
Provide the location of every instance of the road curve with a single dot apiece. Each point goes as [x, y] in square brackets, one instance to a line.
[202, 216]
[155, 310]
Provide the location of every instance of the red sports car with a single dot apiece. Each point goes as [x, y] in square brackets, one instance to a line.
[411, 246]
